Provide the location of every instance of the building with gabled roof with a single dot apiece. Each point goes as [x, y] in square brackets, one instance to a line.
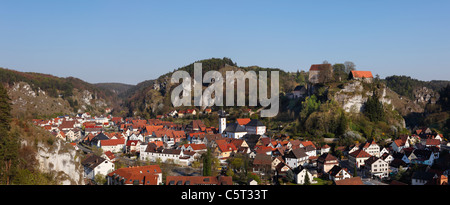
[377, 167]
[358, 158]
[243, 121]
[255, 127]
[317, 71]
[113, 145]
[296, 157]
[94, 165]
[326, 161]
[194, 147]
[338, 173]
[142, 175]
[235, 131]
[366, 76]
[350, 181]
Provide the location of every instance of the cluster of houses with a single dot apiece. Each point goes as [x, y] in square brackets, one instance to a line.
[155, 140]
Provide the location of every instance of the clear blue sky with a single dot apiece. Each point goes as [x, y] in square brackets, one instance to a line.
[132, 41]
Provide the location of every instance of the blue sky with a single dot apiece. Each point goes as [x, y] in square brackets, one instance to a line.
[132, 41]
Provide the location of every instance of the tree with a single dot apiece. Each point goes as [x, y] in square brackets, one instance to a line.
[9, 144]
[207, 163]
[343, 124]
[326, 73]
[374, 109]
[349, 66]
[339, 72]
[307, 179]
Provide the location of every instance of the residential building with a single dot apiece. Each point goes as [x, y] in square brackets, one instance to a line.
[143, 175]
[113, 145]
[338, 173]
[296, 157]
[255, 127]
[350, 181]
[365, 76]
[318, 73]
[377, 167]
[422, 177]
[94, 165]
[301, 176]
[358, 158]
[326, 162]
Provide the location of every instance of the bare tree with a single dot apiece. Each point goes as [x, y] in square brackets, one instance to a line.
[349, 66]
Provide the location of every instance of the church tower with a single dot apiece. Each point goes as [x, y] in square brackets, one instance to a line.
[222, 121]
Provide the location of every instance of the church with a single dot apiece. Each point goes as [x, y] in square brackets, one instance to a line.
[241, 127]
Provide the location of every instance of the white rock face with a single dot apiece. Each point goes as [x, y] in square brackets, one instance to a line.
[353, 98]
[62, 161]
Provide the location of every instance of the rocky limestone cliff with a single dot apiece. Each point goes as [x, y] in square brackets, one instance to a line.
[26, 101]
[62, 160]
[425, 95]
[353, 96]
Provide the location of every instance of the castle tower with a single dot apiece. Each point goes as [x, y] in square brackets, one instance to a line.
[222, 121]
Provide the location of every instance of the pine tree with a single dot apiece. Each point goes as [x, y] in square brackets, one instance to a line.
[374, 109]
[207, 163]
[9, 145]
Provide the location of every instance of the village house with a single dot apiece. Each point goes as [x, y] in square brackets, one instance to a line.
[422, 156]
[299, 91]
[303, 174]
[262, 163]
[338, 173]
[143, 175]
[154, 154]
[422, 177]
[113, 145]
[296, 157]
[358, 158]
[96, 140]
[317, 72]
[377, 167]
[133, 146]
[195, 126]
[67, 125]
[350, 181]
[194, 147]
[399, 144]
[255, 127]
[365, 76]
[61, 135]
[370, 147]
[397, 165]
[224, 149]
[326, 162]
[94, 165]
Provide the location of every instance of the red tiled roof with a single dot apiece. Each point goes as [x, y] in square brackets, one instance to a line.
[362, 74]
[308, 143]
[243, 121]
[360, 154]
[130, 174]
[319, 67]
[433, 142]
[350, 181]
[112, 142]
